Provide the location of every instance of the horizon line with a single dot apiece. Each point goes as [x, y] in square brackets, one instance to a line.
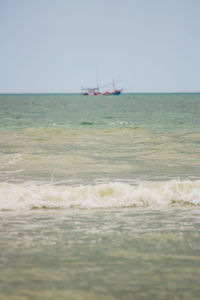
[78, 93]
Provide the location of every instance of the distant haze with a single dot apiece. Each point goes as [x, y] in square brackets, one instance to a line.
[61, 45]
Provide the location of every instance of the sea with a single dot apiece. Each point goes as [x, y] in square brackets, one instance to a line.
[100, 196]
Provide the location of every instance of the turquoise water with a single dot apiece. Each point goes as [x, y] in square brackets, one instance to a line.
[158, 112]
[99, 196]
[71, 137]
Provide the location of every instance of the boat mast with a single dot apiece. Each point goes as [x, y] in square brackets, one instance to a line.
[97, 80]
[113, 84]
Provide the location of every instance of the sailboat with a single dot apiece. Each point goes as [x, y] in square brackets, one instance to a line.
[115, 92]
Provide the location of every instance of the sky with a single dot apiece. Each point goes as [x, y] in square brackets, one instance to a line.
[57, 46]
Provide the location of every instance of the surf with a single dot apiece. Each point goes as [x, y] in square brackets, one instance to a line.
[153, 195]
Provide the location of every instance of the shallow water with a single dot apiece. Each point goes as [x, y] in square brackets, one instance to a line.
[83, 139]
[100, 254]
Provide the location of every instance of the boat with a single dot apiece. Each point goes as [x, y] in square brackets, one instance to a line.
[90, 91]
[95, 91]
[114, 93]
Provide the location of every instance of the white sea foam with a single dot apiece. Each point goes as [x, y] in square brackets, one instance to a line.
[111, 195]
[11, 159]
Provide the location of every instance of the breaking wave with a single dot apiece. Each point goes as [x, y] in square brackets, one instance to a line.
[58, 131]
[110, 195]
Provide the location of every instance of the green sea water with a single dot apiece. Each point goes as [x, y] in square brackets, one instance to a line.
[99, 196]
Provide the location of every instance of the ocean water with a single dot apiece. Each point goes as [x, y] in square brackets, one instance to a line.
[100, 196]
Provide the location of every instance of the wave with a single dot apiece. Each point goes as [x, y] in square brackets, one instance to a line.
[86, 123]
[87, 128]
[110, 195]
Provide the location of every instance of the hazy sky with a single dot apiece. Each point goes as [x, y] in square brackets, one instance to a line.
[59, 45]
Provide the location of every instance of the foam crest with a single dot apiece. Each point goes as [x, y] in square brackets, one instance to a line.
[11, 159]
[110, 195]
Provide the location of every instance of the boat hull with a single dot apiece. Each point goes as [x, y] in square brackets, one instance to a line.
[115, 93]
